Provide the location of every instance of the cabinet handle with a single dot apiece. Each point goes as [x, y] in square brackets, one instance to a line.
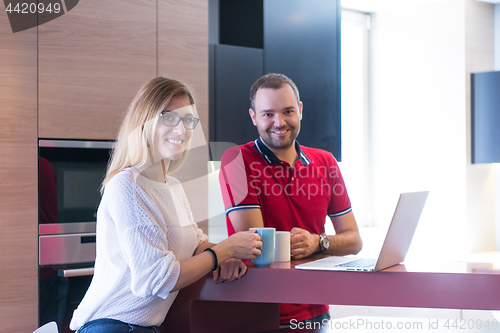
[76, 272]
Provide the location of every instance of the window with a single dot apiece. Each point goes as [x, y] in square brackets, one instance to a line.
[355, 129]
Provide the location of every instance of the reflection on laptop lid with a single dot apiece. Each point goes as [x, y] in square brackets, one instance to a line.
[396, 244]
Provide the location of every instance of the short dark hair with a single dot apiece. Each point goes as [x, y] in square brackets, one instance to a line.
[271, 81]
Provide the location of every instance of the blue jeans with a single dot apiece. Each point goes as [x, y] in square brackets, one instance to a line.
[317, 319]
[106, 325]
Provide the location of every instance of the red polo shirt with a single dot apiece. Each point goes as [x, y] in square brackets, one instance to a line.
[252, 177]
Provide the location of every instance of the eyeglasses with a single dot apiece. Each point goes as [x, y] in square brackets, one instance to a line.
[172, 119]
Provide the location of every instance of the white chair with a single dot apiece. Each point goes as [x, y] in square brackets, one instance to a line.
[48, 328]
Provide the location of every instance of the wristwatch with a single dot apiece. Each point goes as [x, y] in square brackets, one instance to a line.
[324, 243]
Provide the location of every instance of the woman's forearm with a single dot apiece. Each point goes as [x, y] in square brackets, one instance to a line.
[201, 263]
[202, 247]
[242, 245]
[194, 268]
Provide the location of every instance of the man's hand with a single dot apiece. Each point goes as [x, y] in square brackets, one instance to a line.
[303, 243]
[229, 270]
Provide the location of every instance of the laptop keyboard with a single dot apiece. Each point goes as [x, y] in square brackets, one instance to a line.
[360, 263]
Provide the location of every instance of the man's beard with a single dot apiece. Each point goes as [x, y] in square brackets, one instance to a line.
[279, 144]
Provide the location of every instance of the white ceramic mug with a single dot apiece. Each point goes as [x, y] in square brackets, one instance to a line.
[282, 246]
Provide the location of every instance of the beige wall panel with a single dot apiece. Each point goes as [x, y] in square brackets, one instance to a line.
[183, 55]
[92, 61]
[18, 174]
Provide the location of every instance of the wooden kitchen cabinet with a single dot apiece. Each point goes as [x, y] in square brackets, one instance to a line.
[183, 47]
[18, 174]
[92, 61]
[73, 78]
[183, 55]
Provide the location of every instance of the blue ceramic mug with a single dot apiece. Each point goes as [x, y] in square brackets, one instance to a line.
[266, 258]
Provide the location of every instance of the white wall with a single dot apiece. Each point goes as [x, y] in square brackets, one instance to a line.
[497, 206]
[479, 50]
[497, 172]
[497, 37]
[420, 118]
[217, 230]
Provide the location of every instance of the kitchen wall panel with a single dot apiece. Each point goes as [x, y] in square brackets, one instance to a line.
[236, 68]
[18, 173]
[303, 42]
[92, 61]
[183, 55]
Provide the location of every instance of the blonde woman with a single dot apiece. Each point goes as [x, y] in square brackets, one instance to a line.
[148, 246]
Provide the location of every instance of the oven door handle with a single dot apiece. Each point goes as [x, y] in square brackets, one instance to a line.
[76, 272]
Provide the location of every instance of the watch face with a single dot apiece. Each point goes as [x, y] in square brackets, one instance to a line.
[324, 242]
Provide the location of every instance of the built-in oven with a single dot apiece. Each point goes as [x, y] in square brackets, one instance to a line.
[69, 176]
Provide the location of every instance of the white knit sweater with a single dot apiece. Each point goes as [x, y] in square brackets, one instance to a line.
[143, 229]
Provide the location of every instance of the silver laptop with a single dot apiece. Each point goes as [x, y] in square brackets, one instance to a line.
[396, 244]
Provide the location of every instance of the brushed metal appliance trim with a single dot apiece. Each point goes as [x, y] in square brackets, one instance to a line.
[76, 144]
[66, 228]
[65, 249]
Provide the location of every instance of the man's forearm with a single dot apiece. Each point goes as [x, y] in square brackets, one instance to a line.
[348, 242]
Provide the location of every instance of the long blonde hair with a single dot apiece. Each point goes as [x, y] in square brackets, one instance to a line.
[136, 137]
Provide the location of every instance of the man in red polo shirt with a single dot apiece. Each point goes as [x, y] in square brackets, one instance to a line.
[275, 182]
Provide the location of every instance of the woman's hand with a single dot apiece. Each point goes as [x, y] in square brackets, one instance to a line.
[244, 244]
[229, 270]
[241, 245]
